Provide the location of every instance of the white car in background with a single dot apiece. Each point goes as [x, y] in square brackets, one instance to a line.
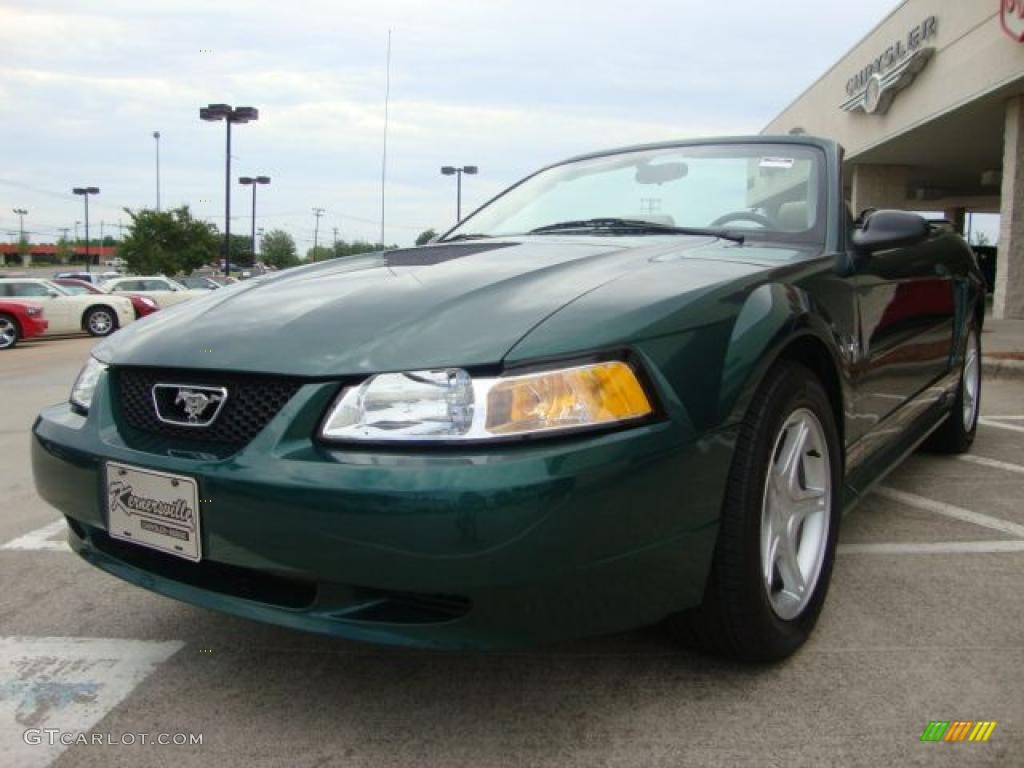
[96, 314]
[163, 290]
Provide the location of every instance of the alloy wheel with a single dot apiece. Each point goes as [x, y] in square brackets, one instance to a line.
[100, 322]
[795, 514]
[971, 381]
[8, 333]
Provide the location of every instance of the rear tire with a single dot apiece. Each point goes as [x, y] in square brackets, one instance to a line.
[780, 520]
[8, 331]
[100, 321]
[958, 430]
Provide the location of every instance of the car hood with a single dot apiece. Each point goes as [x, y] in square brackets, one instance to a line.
[463, 304]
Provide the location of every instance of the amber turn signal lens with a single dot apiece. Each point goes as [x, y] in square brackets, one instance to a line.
[596, 394]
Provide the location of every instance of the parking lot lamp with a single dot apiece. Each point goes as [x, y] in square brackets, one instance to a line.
[85, 192]
[451, 170]
[212, 113]
[254, 181]
[22, 213]
[156, 137]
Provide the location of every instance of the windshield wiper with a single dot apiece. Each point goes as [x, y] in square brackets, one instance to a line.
[636, 225]
[466, 236]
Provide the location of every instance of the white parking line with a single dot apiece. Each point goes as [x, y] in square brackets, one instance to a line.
[931, 548]
[68, 684]
[997, 425]
[994, 463]
[1006, 418]
[958, 513]
[41, 538]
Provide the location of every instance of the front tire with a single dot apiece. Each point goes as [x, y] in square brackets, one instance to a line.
[780, 521]
[100, 321]
[958, 430]
[8, 332]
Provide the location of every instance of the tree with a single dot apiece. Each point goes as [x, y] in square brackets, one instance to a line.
[168, 241]
[320, 253]
[426, 236]
[344, 248]
[241, 250]
[64, 251]
[980, 238]
[278, 249]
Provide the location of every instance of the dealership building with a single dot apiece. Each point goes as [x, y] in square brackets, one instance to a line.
[930, 109]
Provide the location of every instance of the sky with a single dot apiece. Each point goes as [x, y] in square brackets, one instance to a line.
[507, 86]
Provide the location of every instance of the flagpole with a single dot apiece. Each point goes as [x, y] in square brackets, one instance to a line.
[384, 155]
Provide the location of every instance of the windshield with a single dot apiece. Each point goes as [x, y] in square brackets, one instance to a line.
[74, 290]
[58, 288]
[762, 191]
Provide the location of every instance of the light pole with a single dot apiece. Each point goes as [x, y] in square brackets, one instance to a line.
[451, 170]
[229, 114]
[22, 213]
[156, 136]
[85, 192]
[254, 181]
[318, 212]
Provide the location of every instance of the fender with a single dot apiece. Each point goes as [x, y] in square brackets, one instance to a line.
[772, 318]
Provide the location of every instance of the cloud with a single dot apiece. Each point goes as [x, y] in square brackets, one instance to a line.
[506, 85]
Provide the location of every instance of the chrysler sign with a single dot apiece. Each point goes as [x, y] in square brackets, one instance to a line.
[873, 88]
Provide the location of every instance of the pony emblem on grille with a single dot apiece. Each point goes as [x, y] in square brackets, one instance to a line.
[188, 405]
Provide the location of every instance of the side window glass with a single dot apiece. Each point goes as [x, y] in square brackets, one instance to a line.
[30, 289]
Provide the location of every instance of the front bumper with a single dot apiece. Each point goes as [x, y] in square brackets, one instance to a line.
[480, 548]
[125, 314]
[34, 326]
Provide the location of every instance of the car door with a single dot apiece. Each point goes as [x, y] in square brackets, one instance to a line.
[906, 309]
[171, 293]
[58, 313]
[137, 286]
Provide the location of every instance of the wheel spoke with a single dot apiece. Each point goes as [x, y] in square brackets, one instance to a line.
[810, 503]
[789, 568]
[770, 555]
[792, 449]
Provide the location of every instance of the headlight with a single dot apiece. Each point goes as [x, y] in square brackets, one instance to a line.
[448, 404]
[34, 311]
[85, 384]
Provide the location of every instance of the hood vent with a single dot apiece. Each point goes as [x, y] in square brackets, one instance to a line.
[438, 254]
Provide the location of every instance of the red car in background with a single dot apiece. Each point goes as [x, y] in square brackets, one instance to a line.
[143, 305]
[20, 320]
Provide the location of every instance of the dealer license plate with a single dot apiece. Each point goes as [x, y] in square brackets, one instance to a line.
[153, 509]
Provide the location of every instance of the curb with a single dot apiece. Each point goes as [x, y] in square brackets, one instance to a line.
[1002, 369]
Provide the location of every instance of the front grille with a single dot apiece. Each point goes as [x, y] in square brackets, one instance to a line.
[252, 401]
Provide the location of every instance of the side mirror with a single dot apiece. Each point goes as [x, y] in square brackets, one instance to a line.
[881, 230]
[52, 293]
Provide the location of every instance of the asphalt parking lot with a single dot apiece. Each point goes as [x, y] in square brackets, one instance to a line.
[924, 622]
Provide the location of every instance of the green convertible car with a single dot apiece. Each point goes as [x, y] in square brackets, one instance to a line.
[639, 385]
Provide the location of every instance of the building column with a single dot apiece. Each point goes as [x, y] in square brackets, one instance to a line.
[1008, 300]
[879, 186]
[957, 217]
